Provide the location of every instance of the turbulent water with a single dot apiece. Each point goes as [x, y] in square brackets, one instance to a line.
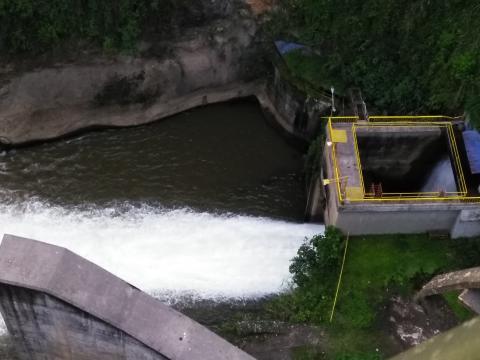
[177, 251]
[207, 204]
[441, 178]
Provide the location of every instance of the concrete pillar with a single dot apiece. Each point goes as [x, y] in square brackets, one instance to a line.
[467, 224]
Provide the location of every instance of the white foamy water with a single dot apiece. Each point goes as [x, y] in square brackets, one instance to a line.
[173, 252]
[441, 178]
[3, 328]
[170, 253]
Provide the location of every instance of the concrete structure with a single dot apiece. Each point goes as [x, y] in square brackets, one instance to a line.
[58, 305]
[457, 280]
[470, 298]
[350, 207]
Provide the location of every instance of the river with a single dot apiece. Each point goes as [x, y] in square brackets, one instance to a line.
[207, 204]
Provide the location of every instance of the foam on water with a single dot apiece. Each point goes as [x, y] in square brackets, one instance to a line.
[175, 251]
[3, 328]
[441, 178]
[169, 253]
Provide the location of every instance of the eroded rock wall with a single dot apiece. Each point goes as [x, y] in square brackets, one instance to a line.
[215, 57]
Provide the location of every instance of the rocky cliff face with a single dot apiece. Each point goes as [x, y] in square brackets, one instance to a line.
[214, 56]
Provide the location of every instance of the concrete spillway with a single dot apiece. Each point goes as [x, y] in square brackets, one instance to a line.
[59, 305]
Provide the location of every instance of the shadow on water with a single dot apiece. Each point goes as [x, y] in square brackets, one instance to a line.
[222, 158]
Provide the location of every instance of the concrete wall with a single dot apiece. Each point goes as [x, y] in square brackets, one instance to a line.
[467, 224]
[395, 222]
[301, 116]
[315, 202]
[458, 219]
[43, 327]
[67, 277]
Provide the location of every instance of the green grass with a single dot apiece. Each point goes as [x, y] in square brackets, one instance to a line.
[378, 265]
[462, 313]
[376, 268]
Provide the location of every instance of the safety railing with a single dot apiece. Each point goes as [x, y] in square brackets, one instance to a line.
[344, 119]
[407, 118]
[416, 194]
[400, 121]
[458, 170]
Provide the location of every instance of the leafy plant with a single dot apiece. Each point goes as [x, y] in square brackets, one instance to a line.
[318, 257]
[407, 58]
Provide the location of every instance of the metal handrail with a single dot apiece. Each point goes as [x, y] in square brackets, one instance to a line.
[398, 121]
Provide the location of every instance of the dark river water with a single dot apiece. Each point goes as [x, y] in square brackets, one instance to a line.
[208, 203]
[220, 158]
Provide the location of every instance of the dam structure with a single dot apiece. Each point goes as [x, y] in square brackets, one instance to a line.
[397, 174]
[58, 305]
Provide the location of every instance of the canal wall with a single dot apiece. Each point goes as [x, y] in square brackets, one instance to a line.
[292, 109]
[57, 305]
[456, 219]
[400, 219]
[217, 53]
[218, 57]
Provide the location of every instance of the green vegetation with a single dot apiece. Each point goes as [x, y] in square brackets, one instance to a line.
[376, 268]
[31, 25]
[38, 25]
[305, 67]
[416, 57]
[462, 313]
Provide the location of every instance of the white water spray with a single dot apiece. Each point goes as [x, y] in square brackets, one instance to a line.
[170, 251]
[3, 327]
[441, 178]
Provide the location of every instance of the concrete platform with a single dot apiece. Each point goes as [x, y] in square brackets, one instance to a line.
[357, 215]
[55, 289]
[346, 158]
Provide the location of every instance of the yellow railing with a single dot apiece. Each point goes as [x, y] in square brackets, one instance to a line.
[401, 121]
[335, 165]
[431, 118]
[344, 119]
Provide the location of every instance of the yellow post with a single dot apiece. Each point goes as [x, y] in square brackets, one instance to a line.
[340, 278]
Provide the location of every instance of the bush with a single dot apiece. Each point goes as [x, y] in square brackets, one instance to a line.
[407, 58]
[37, 26]
[317, 258]
[314, 271]
[466, 252]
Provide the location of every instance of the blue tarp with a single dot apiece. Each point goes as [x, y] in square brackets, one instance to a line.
[471, 138]
[285, 47]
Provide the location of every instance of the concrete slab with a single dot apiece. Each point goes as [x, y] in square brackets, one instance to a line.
[346, 157]
[60, 273]
[470, 298]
